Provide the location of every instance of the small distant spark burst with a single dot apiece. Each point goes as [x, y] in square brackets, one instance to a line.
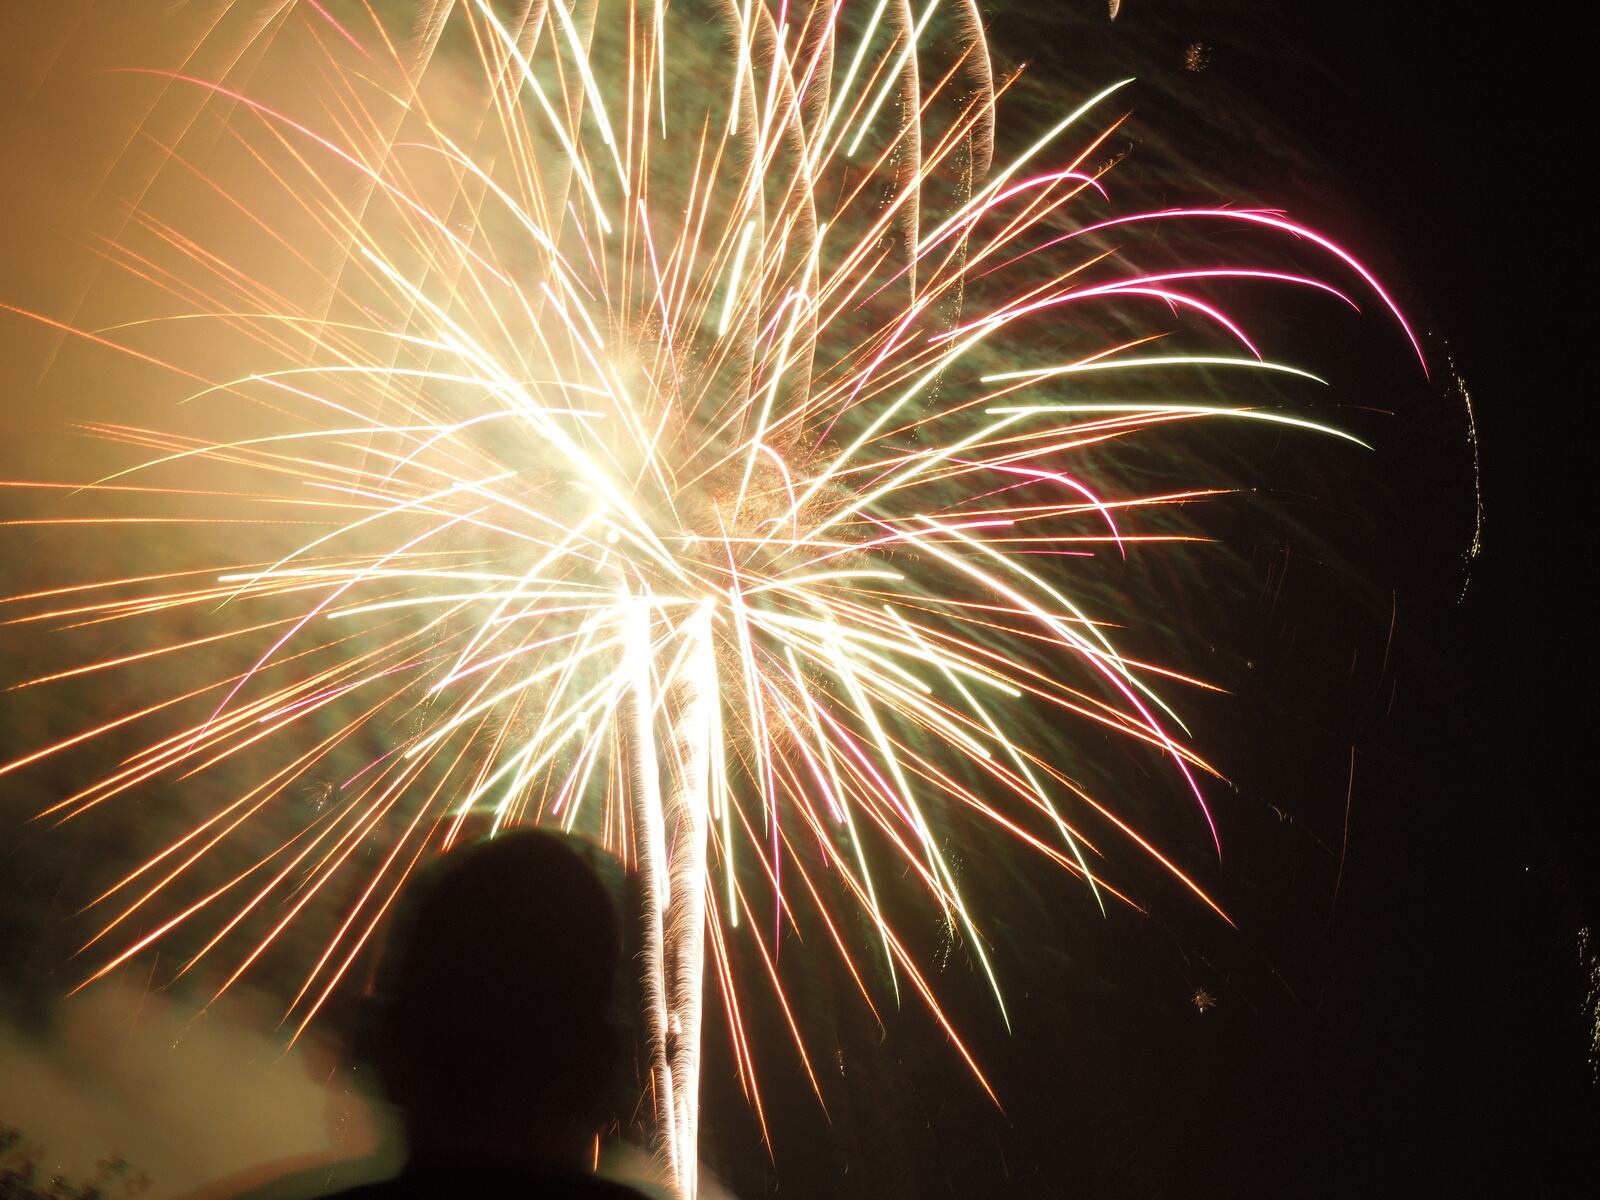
[1589, 964]
[659, 459]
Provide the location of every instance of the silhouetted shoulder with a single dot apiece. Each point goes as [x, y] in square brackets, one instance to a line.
[460, 1183]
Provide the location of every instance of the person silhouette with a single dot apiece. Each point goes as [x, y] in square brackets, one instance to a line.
[494, 1037]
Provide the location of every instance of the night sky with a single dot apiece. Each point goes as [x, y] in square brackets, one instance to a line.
[1439, 1033]
[1446, 1037]
[1407, 1003]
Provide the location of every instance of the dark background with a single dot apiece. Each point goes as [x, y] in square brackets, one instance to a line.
[1441, 1028]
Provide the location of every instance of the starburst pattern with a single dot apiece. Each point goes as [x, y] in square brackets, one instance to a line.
[656, 458]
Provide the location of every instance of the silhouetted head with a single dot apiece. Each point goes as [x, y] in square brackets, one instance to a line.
[499, 982]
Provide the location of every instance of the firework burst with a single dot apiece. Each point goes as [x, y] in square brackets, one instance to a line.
[650, 455]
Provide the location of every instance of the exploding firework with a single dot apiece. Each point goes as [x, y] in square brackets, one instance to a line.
[650, 453]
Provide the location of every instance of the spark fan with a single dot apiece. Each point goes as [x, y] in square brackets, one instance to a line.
[620, 419]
